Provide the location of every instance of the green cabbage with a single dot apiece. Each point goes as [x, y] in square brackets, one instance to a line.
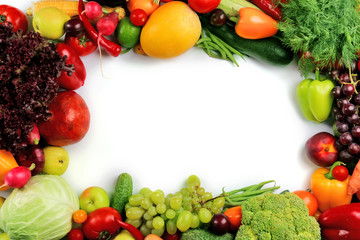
[42, 209]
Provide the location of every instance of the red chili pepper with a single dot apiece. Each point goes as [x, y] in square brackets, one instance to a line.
[341, 222]
[77, 78]
[105, 222]
[110, 47]
[269, 7]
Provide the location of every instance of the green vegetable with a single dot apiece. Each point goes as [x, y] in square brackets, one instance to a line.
[314, 97]
[231, 8]
[122, 193]
[239, 196]
[328, 30]
[277, 217]
[217, 48]
[40, 210]
[267, 49]
[202, 234]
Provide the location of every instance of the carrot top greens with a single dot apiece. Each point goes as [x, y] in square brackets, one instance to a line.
[328, 30]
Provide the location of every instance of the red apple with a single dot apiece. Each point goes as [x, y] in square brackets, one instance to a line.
[32, 154]
[321, 150]
[69, 122]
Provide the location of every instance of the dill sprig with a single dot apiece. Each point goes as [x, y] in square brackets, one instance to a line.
[328, 30]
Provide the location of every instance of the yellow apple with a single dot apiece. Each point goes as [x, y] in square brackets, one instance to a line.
[56, 160]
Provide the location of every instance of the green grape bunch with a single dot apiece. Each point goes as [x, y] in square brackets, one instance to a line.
[191, 207]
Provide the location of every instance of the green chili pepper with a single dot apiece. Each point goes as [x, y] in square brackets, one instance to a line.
[315, 98]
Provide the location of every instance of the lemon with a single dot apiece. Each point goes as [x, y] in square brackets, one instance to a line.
[127, 34]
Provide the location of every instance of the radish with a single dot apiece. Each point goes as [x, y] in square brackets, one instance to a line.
[18, 176]
[93, 10]
[33, 137]
[107, 24]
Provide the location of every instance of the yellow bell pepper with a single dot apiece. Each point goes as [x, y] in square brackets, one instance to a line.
[328, 191]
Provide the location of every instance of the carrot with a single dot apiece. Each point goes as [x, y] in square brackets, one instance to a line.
[152, 237]
[354, 181]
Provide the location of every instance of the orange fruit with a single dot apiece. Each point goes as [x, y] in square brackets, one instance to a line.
[7, 162]
[170, 31]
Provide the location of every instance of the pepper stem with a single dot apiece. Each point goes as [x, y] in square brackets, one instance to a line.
[329, 175]
[317, 74]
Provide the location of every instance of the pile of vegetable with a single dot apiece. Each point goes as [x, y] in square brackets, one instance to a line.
[41, 113]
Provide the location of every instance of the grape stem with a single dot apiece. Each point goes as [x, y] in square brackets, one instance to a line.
[238, 196]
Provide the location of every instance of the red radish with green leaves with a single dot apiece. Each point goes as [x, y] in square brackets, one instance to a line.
[18, 177]
[107, 24]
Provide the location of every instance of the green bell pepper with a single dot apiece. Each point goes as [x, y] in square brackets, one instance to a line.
[314, 97]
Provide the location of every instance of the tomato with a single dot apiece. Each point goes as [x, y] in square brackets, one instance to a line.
[309, 199]
[80, 216]
[105, 222]
[234, 214]
[15, 16]
[138, 17]
[340, 173]
[203, 6]
[75, 234]
[82, 45]
[149, 6]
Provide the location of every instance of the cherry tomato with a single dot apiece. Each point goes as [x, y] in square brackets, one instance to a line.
[340, 173]
[309, 199]
[149, 6]
[204, 6]
[80, 216]
[75, 234]
[82, 45]
[138, 17]
[15, 16]
[234, 214]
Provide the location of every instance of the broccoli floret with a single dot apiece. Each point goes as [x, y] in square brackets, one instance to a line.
[277, 217]
[203, 234]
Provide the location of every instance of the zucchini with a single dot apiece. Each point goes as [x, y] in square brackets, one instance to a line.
[268, 49]
[203, 234]
[122, 193]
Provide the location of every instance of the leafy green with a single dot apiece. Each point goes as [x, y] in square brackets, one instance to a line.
[329, 30]
[41, 210]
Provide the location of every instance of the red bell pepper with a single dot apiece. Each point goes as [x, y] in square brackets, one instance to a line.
[341, 222]
[76, 79]
[105, 222]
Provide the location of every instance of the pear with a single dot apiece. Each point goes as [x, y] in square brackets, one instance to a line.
[49, 22]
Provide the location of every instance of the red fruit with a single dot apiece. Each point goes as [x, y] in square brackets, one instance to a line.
[69, 122]
[321, 150]
[168, 236]
[32, 154]
[33, 137]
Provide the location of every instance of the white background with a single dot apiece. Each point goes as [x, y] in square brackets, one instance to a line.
[163, 120]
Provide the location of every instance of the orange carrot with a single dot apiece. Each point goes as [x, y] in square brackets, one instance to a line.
[354, 181]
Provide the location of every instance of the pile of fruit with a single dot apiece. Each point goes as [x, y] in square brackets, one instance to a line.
[40, 69]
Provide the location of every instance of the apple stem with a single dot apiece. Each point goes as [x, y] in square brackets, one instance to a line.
[329, 175]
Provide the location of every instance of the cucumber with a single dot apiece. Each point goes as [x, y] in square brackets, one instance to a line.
[268, 49]
[203, 234]
[122, 193]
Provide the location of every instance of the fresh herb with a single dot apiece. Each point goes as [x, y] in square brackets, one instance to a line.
[327, 31]
[29, 66]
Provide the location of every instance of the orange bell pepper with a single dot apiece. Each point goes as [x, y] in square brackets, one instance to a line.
[7, 162]
[328, 191]
[255, 24]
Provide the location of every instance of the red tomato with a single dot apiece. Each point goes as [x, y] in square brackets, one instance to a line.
[75, 234]
[138, 17]
[340, 173]
[82, 45]
[204, 6]
[309, 199]
[15, 16]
